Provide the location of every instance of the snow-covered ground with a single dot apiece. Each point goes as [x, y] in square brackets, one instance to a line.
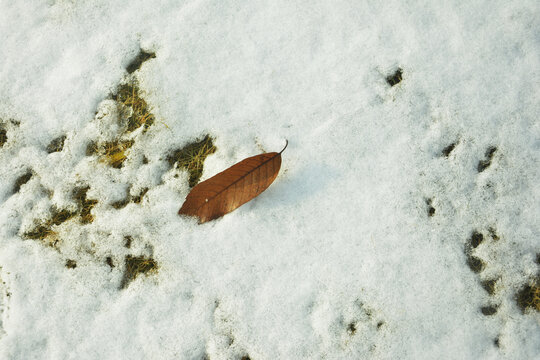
[363, 247]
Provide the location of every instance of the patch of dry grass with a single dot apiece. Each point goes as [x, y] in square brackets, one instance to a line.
[192, 156]
[128, 95]
[529, 296]
[135, 265]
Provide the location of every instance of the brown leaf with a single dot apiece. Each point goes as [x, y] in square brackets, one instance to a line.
[232, 188]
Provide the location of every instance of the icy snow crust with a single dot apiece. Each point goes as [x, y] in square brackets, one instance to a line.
[338, 259]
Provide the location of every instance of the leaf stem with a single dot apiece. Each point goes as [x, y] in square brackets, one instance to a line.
[286, 144]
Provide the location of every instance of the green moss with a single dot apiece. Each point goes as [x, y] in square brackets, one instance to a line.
[135, 265]
[192, 156]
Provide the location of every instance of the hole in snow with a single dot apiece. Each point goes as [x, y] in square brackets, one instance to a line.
[21, 180]
[56, 144]
[3, 135]
[476, 239]
[475, 264]
[136, 63]
[493, 234]
[395, 78]
[484, 164]
[489, 286]
[109, 261]
[489, 310]
[448, 150]
[430, 209]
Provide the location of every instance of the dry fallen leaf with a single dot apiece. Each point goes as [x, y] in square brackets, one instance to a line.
[232, 187]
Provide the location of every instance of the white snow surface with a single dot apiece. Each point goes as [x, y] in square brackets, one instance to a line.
[338, 258]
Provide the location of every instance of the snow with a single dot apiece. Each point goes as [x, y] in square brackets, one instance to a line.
[338, 259]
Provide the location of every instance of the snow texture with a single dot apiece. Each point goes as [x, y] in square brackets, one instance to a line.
[360, 247]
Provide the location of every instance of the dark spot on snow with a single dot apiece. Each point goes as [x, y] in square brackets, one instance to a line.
[3, 136]
[447, 150]
[40, 232]
[395, 78]
[60, 216]
[497, 342]
[430, 208]
[493, 234]
[56, 144]
[192, 156]
[489, 285]
[475, 264]
[529, 296]
[44, 229]
[144, 160]
[85, 205]
[489, 310]
[484, 164]
[129, 96]
[92, 148]
[351, 328]
[245, 357]
[136, 63]
[71, 264]
[109, 261]
[137, 199]
[135, 265]
[476, 239]
[120, 204]
[380, 324]
[127, 241]
[538, 258]
[21, 180]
